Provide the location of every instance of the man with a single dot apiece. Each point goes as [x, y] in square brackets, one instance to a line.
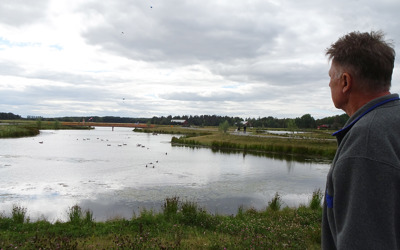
[362, 198]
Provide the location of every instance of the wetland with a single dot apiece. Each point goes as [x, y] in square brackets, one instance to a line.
[105, 171]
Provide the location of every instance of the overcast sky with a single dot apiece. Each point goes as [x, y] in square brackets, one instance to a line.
[145, 58]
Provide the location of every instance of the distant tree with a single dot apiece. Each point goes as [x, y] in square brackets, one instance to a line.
[334, 122]
[223, 127]
[306, 121]
[291, 125]
[9, 116]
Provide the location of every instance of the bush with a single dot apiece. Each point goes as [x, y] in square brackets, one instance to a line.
[88, 217]
[223, 127]
[18, 214]
[170, 206]
[190, 212]
[276, 203]
[76, 217]
[146, 217]
[315, 202]
[75, 214]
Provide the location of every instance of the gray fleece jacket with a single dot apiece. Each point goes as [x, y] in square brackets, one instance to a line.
[362, 198]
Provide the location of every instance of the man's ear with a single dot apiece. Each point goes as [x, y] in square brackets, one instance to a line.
[347, 82]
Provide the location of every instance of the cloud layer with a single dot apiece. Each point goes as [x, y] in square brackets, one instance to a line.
[144, 58]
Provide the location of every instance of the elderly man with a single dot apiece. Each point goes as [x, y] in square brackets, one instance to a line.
[362, 198]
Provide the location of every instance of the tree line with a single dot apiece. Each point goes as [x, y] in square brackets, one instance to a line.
[9, 116]
[303, 122]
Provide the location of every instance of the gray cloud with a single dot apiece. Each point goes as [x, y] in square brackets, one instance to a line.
[186, 32]
[22, 12]
[250, 58]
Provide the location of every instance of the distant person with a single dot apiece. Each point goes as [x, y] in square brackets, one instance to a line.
[362, 198]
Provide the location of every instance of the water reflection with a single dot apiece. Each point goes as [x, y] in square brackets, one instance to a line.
[271, 155]
[105, 171]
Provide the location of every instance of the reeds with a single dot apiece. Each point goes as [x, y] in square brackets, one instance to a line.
[181, 224]
[78, 217]
[282, 146]
[19, 214]
[316, 200]
[31, 128]
[276, 203]
[14, 131]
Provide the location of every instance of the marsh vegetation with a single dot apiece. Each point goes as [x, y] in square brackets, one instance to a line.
[180, 225]
[310, 143]
[184, 224]
[23, 128]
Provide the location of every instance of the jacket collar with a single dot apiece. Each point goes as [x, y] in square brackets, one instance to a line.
[362, 112]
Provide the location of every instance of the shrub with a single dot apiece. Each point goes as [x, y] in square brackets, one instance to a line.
[75, 214]
[276, 203]
[223, 127]
[240, 212]
[190, 212]
[88, 217]
[18, 214]
[170, 206]
[146, 217]
[315, 202]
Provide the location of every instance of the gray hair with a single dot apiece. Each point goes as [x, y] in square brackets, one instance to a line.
[367, 56]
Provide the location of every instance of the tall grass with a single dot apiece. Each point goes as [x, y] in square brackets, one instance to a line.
[266, 145]
[181, 225]
[31, 128]
[14, 131]
[170, 206]
[276, 203]
[77, 216]
[19, 214]
[316, 200]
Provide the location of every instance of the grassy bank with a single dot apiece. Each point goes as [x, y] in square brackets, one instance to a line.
[180, 224]
[310, 144]
[164, 129]
[308, 147]
[23, 128]
[14, 131]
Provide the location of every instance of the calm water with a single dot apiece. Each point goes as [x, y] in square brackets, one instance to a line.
[105, 171]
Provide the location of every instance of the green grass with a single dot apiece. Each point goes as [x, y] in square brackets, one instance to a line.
[311, 147]
[23, 128]
[180, 225]
[311, 144]
[14, 131]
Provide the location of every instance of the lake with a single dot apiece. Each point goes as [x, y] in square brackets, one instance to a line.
[119, 173]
